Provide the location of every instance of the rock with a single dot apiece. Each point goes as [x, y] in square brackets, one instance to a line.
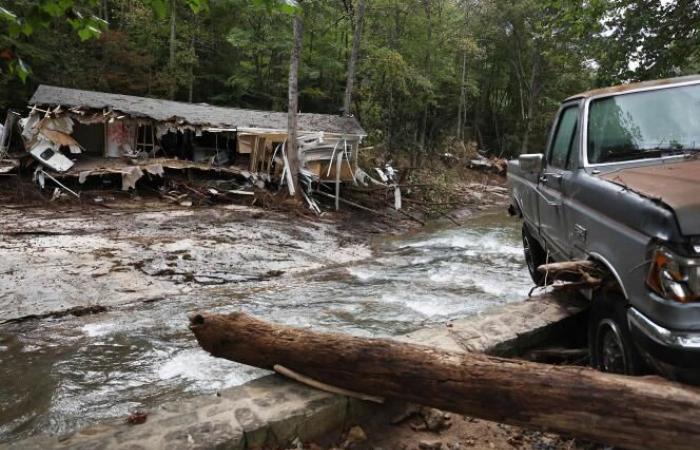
[435, 420]
[355, 436]
[517, 440]
[430, 445]
[137, 418]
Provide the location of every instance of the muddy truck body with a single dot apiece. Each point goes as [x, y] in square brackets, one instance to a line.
[619, 184]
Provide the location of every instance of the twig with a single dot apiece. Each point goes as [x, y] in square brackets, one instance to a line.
[323, 386]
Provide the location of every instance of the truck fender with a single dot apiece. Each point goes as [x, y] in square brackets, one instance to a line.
[600, 259]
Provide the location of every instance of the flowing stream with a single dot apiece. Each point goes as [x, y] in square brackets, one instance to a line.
[60, 374]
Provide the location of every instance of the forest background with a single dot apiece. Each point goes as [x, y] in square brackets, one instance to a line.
[432, 75]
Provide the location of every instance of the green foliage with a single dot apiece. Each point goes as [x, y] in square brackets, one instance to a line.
[502, 67]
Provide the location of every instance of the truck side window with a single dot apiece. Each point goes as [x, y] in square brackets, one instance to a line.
[564, 138]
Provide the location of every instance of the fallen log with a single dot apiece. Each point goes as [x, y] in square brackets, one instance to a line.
[642, 413]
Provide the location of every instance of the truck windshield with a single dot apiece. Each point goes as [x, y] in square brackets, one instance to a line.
[644, 125]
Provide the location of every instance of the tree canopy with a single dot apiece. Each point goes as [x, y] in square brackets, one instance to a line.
[430, 71]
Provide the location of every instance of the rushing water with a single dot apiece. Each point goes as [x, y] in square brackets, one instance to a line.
[59, 374]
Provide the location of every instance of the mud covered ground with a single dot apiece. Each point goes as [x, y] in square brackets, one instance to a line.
[58, 259]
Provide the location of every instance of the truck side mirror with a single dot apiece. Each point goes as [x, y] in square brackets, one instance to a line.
[532, 162]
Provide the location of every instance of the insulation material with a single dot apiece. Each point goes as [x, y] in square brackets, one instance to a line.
[62, 139]
[130, 176]
[155, 169]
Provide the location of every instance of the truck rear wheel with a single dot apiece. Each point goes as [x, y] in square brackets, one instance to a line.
[535, 256]
[610, 342]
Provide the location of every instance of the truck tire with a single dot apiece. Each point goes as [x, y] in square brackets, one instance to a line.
[535, 256]
[610, 342]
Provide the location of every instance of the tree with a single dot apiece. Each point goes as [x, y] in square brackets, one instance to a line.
[354, 55]
[292, 144]
[22, 19]
[648, 39]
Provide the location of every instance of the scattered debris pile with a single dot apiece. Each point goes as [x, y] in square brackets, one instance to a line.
[75, 143]
[492, 165]
[74, 139]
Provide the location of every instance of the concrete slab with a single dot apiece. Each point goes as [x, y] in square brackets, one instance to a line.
[273, 411]
[508, 330]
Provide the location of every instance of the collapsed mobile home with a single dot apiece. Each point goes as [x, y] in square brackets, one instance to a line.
[78, 135]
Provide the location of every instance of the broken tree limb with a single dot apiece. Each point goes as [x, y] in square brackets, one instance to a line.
[642, 413]
[348, 202]
[580, 274]
[323, 386]
[569, 266]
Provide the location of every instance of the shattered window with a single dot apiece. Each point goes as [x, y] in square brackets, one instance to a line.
[145, 139]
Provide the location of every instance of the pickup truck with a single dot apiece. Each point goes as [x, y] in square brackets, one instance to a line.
[619, 185]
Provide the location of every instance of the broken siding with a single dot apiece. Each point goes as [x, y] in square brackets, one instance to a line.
[192, 114]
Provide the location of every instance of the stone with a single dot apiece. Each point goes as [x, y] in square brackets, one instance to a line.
[207, 435]
[430, 445]
[355, 436]
[435, 420]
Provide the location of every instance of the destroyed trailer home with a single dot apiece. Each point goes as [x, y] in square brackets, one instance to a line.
[78, 135]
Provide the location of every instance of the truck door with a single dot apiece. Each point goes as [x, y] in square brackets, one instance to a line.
[551, 183]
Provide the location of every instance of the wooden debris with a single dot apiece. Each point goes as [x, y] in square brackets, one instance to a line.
[578, 274]
[642, 413]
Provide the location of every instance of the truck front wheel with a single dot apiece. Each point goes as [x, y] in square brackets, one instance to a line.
[535, 256]
[610, 343]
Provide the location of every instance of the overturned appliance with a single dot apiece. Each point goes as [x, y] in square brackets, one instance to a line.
[81, 134]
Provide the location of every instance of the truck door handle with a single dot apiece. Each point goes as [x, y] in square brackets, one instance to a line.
[546, 175]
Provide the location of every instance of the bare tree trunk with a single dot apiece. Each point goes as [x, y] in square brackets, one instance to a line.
[190, 94]
[533, 98]
[172, 46]
[427, 6]
[462, 96]
[462, 109]
[104, 6]
[354, 55]
[292, 145]
[642, 413]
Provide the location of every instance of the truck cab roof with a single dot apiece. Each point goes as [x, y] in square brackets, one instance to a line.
[629, 87]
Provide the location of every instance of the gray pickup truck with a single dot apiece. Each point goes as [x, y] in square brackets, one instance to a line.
[619, 184]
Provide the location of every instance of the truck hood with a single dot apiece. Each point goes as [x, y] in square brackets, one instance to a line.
[675, 184]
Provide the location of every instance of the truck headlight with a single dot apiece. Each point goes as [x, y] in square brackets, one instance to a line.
[674, 277]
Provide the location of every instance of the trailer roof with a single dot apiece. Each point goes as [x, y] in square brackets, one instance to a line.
[197, 114]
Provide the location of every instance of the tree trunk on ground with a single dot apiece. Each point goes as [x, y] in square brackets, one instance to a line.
[354, 55]
[292, 145]
[643, 413]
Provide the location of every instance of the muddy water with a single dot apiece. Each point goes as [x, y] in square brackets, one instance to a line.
[60, 374]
